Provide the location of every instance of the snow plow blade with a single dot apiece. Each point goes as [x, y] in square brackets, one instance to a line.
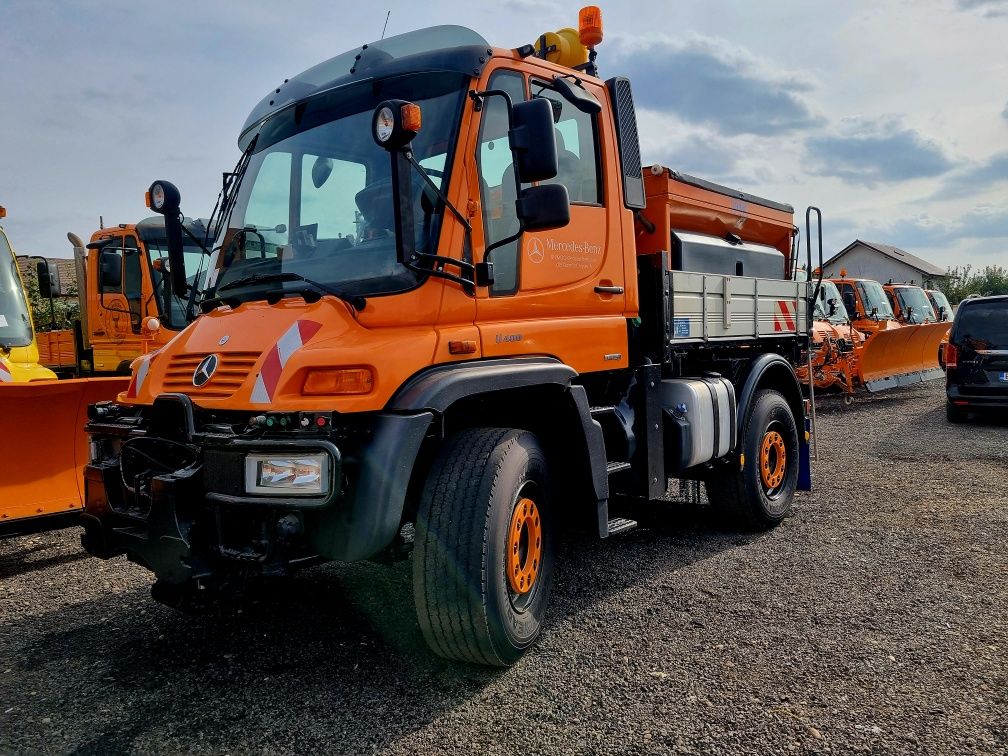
[902, 356]
[43, 447]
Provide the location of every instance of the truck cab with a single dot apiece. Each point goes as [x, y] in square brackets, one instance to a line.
[19, 358]
[868, 305]
[910, 304]
[126, 307]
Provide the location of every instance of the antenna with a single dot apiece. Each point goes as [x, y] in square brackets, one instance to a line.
[101, 222]
[386, 24]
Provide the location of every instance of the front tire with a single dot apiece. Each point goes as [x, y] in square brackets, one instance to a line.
[483, 559]
[760, 495]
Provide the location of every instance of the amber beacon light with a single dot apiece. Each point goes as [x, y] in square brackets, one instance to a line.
[590, 25]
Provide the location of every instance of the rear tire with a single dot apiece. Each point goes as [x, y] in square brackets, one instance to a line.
[483, 559]
[760, 495]
[955, 414]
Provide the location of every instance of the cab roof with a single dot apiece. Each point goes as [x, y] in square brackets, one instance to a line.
[437, 48]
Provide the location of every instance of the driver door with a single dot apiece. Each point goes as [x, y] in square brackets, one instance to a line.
[558, 292]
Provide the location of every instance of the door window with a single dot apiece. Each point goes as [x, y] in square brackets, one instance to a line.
[133, 281]
[577, 147]
[497, 181]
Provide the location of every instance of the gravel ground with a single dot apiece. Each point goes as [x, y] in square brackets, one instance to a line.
[875, 619]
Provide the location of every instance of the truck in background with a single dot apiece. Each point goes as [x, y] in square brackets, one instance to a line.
[19, 357]
[126, 308]
[894, 354]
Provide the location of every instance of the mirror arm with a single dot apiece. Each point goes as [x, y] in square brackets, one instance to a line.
[441, 195]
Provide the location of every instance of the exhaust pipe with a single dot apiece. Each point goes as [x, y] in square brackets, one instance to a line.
[80, 265]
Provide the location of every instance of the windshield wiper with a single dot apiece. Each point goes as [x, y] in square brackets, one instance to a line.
[356, 301]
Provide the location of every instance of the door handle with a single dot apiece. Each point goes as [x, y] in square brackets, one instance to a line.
[608, 289]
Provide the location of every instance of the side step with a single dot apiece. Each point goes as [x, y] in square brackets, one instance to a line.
[616, 467]
[619, 525]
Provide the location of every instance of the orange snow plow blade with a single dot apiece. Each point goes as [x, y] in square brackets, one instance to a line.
[43, 447]
[902, 356]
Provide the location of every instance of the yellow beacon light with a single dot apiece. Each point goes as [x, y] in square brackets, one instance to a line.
[562, 47]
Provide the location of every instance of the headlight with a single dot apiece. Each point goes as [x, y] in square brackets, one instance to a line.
[384, 124]
[293, 474]
[157, 197]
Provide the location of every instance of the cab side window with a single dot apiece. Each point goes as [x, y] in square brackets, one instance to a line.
[892, 300]
[849, 299]
[497, 181]
[577, 148]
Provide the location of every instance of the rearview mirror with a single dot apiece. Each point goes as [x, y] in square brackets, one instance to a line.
[46, 279]
[533, 141]
[111, 271]
[544, 207]
[580, 98]
[321, 170]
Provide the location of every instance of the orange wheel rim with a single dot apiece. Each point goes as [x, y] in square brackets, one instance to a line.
[773, 460]
[524, 546]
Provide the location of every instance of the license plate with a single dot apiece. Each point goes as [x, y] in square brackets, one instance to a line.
[1004, 377]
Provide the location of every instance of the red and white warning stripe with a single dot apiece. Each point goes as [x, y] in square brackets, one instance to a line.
[139, 376]
[784, 318]
[269, 374]
[5, 373]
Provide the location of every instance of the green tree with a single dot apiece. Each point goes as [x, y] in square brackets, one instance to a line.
[964, 281]
[66, 308]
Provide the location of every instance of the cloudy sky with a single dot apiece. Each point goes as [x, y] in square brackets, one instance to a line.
[891, 116]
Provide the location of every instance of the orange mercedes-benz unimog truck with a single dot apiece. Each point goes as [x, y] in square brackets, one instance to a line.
[447, 313]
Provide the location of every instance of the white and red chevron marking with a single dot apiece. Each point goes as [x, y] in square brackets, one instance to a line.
[139, 376]
[293, 339]
[5, 374]
[784, 317]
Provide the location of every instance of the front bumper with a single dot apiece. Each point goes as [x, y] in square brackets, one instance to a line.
[173, 497]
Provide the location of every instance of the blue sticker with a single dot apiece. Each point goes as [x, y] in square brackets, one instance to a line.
[680, 327]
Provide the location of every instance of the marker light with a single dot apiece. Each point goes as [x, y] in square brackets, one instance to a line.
[395, 123]
[411, 119]
[590, 25]
[3, 211]
[300, 474]
[338, 381]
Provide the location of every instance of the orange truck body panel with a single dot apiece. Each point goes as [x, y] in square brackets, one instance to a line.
[673, 204]
[56, 349]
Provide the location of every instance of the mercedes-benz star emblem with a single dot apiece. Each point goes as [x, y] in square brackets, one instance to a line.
[205, 370]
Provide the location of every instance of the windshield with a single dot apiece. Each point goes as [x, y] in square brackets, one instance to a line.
[316, 199]
[874, 299]
[914, 301]
[939, 300]
[982, 325]
[828, 293]
[15, 327]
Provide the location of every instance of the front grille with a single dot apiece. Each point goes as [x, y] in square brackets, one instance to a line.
[232, 370]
